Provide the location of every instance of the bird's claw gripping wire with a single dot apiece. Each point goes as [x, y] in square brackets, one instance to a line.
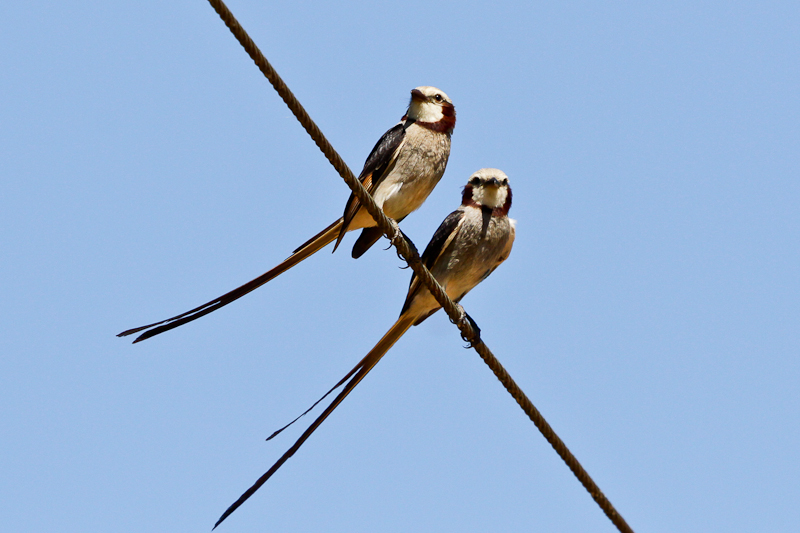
[397, 233]
[462, 322]
[398, 237]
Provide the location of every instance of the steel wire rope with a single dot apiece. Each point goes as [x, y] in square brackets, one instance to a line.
[408, 252]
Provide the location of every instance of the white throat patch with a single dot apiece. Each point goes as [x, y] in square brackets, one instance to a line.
[492, 197]
[425, 111]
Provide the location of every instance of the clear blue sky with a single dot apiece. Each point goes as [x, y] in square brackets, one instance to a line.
[650, 308]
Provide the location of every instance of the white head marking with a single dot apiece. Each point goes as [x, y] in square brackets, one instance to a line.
[489, 187]
[428, 108]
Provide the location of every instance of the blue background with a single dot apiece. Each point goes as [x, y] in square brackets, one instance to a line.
[650, 308]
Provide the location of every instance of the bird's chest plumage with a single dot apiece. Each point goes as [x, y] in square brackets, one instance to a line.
[478, 246]
[417, 169]
[477, 249]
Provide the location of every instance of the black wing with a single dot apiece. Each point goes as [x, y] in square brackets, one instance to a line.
[442, 234]
[442, 237]
[379, 162]
[381, 154]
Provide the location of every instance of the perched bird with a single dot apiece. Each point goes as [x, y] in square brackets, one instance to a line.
[400, 172]
[471, 242]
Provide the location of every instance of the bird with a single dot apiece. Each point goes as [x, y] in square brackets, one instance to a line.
[400, 172]
[468, 246]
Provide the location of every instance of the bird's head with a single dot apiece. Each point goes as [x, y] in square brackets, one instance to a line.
[431, 107]
[488, 187]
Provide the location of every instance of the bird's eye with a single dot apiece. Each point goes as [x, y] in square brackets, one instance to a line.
[437, 97]
[475, 181]
[505, 181]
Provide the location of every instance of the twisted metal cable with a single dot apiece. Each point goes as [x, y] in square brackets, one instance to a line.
[408, 252]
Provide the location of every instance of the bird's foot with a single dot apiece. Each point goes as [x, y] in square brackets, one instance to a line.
[462, 325]
[397, 232]
[399, 237]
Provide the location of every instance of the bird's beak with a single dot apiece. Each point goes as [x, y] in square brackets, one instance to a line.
[494, 182]
[417, 95]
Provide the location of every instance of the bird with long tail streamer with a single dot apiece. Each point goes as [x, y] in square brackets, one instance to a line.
[468, 246]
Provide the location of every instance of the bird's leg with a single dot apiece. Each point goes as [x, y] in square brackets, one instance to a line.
[398, 233]
[399, 236]
[462, 324]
